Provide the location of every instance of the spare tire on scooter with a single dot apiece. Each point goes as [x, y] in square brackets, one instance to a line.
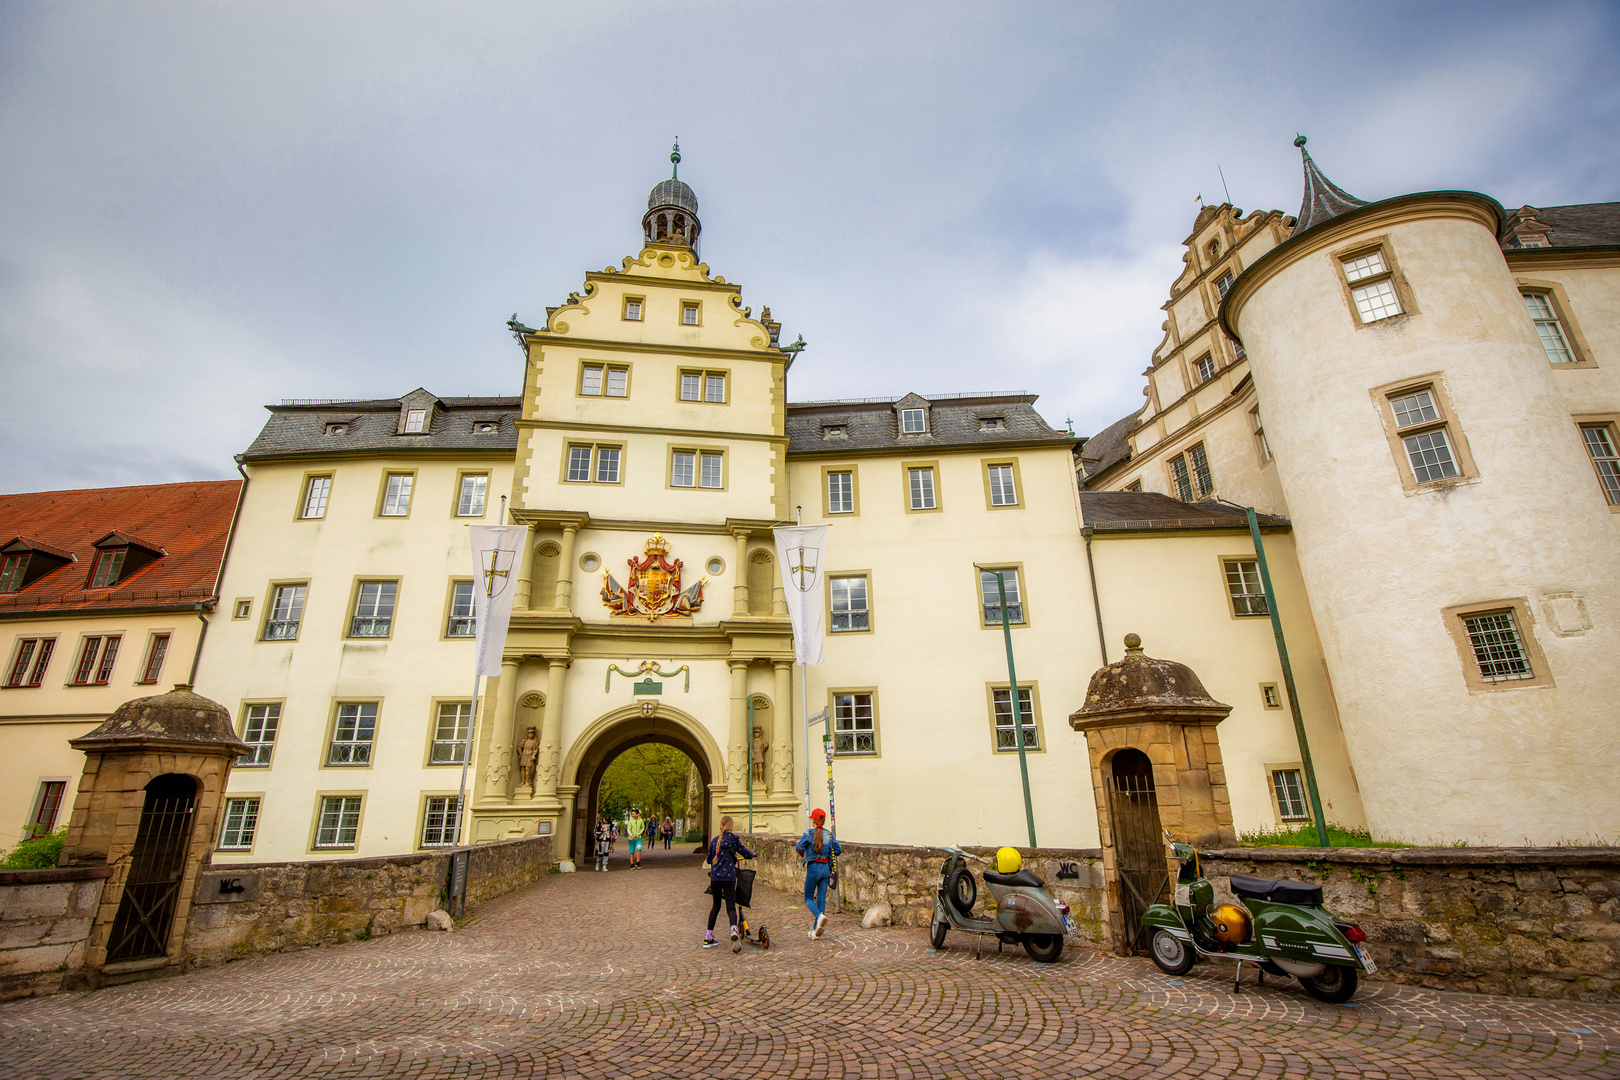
[962, 890]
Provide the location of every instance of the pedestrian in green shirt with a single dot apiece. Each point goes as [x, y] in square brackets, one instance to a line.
[637, 828]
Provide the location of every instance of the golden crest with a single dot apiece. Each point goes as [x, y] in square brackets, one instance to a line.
[655, 585]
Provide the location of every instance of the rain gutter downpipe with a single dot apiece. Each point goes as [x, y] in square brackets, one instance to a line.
[219, 576]
[1096, 601]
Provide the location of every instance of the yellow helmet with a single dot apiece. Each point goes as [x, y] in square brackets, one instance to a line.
[1231, 924]
[1008, 861]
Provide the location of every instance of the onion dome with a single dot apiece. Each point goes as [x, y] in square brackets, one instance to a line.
[1324, 199]
[178, 720]
[672, 207]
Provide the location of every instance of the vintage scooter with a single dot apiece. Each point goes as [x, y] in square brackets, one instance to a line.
[1282, 928]
[1025, 912]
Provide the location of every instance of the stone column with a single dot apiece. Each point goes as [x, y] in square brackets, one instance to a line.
[739, 576]
[520, 599]
[778, 597]
[551, 729]
[737, 748]
[782, 737]
[564, 599]
[500, 773]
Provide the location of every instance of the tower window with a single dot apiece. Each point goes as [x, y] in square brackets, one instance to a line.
[1549, 328]
[1371, 280]
[1601, 447]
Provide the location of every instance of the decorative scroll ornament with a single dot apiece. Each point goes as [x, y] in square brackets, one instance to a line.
[655, 586]
[648, 669]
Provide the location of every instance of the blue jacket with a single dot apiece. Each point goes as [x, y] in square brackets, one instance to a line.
[806, 847]
[723, 851]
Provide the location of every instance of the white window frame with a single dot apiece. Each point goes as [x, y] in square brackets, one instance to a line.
[397, 488]
[848, 711]
[239, 822]
[841, 496]
[317, 493]
[1003, 485]
[360, 727]
[1549, 327]
[338, 825]
[415, 421]
[1603, 449]
[913, 421]
[373, 615]
[855, 610]
[1244, 591]
[1001, 709]
[1288, 788]
[462, 620]
[441, 822]
[921, 491]
[473, 496]
[990, 597]
[260, 724]
[285, 612]
[448, 750]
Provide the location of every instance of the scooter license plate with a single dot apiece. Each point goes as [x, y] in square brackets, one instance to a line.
[1366, 959]
[1068, 923]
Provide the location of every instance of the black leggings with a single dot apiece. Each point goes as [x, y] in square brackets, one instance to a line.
[727, 891]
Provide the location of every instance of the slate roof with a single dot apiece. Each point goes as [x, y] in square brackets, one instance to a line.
[872, 425]
[1109, 447]
[1581, 225]
[1323, 198]
[371, 426]
[189, 522]
[1149, 511]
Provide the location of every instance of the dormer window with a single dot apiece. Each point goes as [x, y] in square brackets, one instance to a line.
[415, 421]
[992, 423]
[109, 564]
[487, 427]
[913, 421]
[337, 429]
[24, 561]
[835, 431]
[118, 557]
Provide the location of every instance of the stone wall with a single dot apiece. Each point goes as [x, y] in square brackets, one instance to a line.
[908, 878]
[45, 921]
[1539, 922]
[270, 907]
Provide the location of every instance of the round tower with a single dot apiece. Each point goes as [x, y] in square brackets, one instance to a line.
[1462, 564]
[672, 210]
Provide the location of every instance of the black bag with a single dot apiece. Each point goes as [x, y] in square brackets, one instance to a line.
[745, 888]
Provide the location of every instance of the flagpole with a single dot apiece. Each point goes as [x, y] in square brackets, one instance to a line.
[472, 725]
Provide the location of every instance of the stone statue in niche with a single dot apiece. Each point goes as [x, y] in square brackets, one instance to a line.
[761, 748]
[528, 750]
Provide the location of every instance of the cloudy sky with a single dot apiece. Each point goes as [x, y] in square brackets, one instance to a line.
[206, 207]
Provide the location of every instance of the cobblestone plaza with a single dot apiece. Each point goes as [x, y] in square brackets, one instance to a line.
[601, 975]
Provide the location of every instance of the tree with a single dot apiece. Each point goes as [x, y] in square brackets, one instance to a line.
[650, 777]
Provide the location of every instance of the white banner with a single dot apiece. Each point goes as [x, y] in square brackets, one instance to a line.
[802, 550]
[497, 552]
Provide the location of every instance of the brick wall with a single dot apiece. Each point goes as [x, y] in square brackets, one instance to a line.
[908, 878]
[293, 905]
[45, 920]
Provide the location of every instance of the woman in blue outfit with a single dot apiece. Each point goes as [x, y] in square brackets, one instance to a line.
[723, 852]
[817, 848]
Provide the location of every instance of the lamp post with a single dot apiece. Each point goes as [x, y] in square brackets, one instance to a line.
[1017, 711]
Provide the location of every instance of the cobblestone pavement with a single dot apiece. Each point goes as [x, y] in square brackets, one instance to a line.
[601, 975]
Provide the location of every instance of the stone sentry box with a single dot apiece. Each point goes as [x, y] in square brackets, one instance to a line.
[1155, 768]
[147, 808]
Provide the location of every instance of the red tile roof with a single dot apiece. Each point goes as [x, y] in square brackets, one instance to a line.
[189, 521]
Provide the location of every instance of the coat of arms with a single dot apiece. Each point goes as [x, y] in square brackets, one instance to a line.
[655, 586]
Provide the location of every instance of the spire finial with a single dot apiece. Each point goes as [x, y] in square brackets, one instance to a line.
[1323, 198]
[1299, 140]
[675, 159]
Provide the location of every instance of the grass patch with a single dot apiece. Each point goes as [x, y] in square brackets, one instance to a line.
[1306, 836]
[39, 853]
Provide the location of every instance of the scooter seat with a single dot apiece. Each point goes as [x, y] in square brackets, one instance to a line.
[1277, 891]
[1023, 878]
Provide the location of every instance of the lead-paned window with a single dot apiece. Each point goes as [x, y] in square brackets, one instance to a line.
[463, 620]
[1003, 490]
[339, 823]
[439, 819]
[352, 734]
[374, 609]
[990, 596]
[156, 653]
[849, 604]
[1548, 327]
[470, 501]
[317, 490]
[33, 657]
[286, 612]
[1498, 649]
[1290, 794]
[1243, 585]
[1006, 730]
[450, 731]
[397, 495]
[1601, 448]
[1181, 478]
[921, 482]
[238, 824]
[854, 724]
[841, 492]
[259, 732]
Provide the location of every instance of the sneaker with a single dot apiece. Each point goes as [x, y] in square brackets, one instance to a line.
[709, 942]
[736, 940]
[821, 926]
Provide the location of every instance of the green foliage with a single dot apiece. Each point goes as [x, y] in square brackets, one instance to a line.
[39, 853]
[651, 778]
[1306, 836]
[694, 835]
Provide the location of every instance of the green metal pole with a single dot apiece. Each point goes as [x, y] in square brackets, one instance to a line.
[1288, 681]
[1018, 716]
[750, 763]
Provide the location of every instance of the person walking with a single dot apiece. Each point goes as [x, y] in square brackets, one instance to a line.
[817, 848]
[637, 830]
[668, 830]
[604, 843]
[723, 852]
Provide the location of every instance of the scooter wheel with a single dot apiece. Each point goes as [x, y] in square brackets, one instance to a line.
[1171, 953]
[1044, 948]
[764, 938]
[936, 933]
[1335, 985]
[962, 890]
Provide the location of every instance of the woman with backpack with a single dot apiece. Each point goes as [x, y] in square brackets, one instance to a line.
[817, 848]
[723, 852]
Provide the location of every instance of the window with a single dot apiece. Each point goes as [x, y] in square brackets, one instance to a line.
[1290, 792]
[1190, 474]
[1496, 646]
[397, 495]
[607, 465]
[921, 481]
[1372, 286]
[854, 723]
[1243, 584]
[683, 471]
[710, 470]
[242, 608]
[470, 503]
[259, 731]
[835, 431]
[705, 386]
[1134, 485]
[51, 793]
[1600, 446]
[580, 465]
[286, 612]
[1006, 733]
[1429, 451]
[704, 469]
[109, 561]
[339, 823]
[632, 308]
[462, 622]
[352, 735]
[1548, 327]
[849, 604]
[841, 492]
[415, 421]
[714, 388]
[1224, 285]
[913, 421]
[28, 666]
[317, 489]
[1003, 487]
[156, 653]
[604, 380]
[12, 571]
[1498, 649]
[1204, 367]
[689, 313]
[238, 824]
[1270, 697]
[96, 658]
[374, 609]
[1261, 447]
[336, 429]
[990, 596]
[440, 816]
[691, 386]
[450, 732]
[992, 423]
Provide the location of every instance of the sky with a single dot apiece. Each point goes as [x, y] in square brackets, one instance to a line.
[208, 207]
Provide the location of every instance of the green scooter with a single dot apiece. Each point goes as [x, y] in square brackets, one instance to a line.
[1281, 928]
[1025, 913]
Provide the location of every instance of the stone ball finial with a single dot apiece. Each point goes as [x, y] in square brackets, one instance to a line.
[1133, 644]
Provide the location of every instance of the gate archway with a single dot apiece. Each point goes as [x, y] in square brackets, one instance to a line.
[157, 867]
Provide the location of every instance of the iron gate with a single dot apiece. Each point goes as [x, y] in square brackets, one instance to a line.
[1133, 810]
[157, 866]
